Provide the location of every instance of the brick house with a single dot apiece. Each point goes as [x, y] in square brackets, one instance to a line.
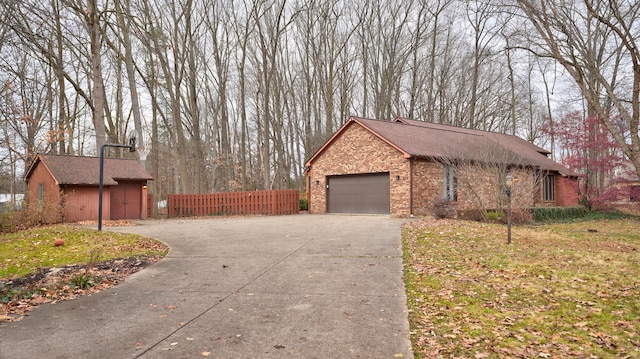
[73, 183]
[408, 167]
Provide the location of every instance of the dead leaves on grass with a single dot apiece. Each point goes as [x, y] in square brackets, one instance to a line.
[550, 294]
[109, 223]
[26, 251]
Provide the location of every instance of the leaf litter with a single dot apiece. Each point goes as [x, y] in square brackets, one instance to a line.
[556, 291]
[33, 271]
[52, 285]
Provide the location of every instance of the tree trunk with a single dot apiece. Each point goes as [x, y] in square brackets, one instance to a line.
[123, 12]
[99, 101]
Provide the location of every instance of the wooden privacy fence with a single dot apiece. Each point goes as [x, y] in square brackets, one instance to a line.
[274, 202]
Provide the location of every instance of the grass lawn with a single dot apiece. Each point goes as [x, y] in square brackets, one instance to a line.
[559, 290]
[27, 251]
[89, 261]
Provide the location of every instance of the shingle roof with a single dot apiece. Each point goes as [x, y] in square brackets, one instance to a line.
[78, 170]
[418, 139]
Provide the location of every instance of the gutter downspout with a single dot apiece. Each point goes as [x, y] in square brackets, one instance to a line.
[307, 186]
[411, 187]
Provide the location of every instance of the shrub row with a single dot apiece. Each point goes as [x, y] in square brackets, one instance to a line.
[543, 214]
[29, 216]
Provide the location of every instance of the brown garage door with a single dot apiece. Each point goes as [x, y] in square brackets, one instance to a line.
[126, 201]
[366, 193]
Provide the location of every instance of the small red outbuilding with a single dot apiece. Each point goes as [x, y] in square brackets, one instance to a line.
[73, 182]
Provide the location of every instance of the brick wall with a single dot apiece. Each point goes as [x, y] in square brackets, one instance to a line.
[478, 188]
[483, 187]
[357, 151]
[427, 186]
[566, 191]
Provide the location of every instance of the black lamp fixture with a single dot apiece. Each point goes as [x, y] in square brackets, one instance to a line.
[508, 181]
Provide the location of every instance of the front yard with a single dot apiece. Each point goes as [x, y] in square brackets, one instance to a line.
[34, 270]
[561, 290]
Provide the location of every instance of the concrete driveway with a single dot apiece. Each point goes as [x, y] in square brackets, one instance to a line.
[302, 286]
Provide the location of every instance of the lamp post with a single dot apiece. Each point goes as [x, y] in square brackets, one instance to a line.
[132, 148]
[508, 182]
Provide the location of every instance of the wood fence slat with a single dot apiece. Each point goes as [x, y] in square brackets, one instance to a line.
[272, 202]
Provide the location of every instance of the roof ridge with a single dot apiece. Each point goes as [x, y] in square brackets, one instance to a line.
[88, 157]
[454, 129]
[480, 132]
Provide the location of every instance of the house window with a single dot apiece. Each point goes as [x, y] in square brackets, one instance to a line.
[634, 194]
[549, 188]
[40, 195]
[450, 183]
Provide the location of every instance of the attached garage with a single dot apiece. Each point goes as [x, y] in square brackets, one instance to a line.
[362, 193]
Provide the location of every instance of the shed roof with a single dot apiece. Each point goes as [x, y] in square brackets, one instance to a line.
[79, 170]
[419, 139]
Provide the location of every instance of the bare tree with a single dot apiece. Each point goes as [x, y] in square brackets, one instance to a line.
[437, 11]
[388, 46]
[221, 48]
[242, 20]
[171, 55]
[90, 15]
[40, 31]
[272, 20]
[480, 178]
[596, 42]
[23, 112]
[235, 94]
[482, 17]
[124, 19]
[307, 25]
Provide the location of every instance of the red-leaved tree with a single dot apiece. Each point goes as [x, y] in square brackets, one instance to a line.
[589, 150]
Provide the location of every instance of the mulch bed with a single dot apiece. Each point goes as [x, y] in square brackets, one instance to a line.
[20, 296]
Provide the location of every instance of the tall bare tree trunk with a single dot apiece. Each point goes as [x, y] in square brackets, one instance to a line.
[93, 23]
[59, 71]
[123, 13]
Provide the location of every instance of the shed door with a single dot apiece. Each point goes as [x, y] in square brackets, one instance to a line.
[366, 193]
[126, 201]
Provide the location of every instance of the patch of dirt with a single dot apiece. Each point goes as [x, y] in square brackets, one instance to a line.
[20, 296]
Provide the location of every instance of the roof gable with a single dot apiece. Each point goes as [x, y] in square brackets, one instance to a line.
[79, 170]
[352, 121]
